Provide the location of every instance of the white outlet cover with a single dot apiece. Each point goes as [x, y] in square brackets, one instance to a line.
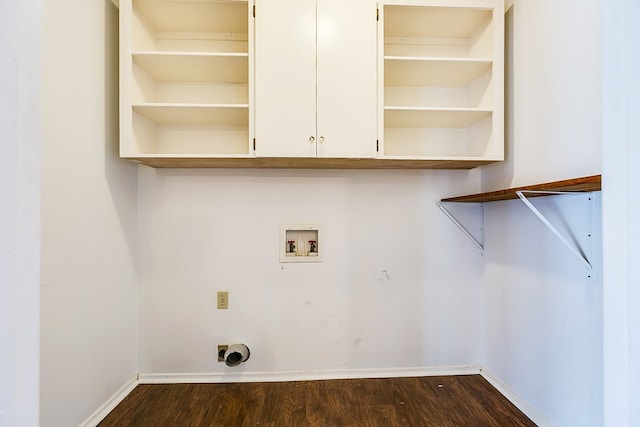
[301, 243]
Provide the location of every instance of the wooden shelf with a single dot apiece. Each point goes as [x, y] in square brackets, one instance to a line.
[583, 184]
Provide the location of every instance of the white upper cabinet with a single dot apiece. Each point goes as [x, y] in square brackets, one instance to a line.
[316, 84]
[185, 78]
[441, 80]
[312, 83]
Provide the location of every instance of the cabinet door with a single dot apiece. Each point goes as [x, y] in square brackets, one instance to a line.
[285, 61]
[346, 78]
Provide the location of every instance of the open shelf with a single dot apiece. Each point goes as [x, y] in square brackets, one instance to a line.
[194, 66]
[408, 117]
[434, 72]
[194, 114]
[586, 184]
[183, 25]
[188, 129]
[194, 16]
[441, 96]
[438, 31]
[419, 141]
[583, 184]
[151, 139]
[190, 78]
[185, 84]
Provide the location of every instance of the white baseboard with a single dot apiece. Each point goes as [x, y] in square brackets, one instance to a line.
[281, 376]
[514, 398]
[110, 404]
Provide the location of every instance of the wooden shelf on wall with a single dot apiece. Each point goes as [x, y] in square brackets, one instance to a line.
[583, 184]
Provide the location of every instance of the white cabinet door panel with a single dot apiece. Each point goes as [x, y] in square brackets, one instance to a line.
[285, 61]
[346, 78]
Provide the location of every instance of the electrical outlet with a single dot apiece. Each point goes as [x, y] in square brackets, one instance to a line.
[223, 299]
[222, 349]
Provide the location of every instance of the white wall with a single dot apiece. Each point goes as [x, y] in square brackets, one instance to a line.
[543, 308]
[621, 196]
[208, 230]
[553, 94]
[89, 216]
[19, 212]
[542, 333]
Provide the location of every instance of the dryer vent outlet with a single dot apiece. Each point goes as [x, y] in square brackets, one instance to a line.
[236, 354]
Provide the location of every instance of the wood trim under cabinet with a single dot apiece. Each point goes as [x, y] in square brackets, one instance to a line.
[306, 163]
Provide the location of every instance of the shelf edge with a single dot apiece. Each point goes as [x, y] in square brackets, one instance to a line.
[582, 184]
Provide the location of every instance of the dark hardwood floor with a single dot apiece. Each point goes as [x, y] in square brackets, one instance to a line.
[425, 401]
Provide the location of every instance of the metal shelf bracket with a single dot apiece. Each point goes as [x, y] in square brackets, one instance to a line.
[461, 227]
[572, 248]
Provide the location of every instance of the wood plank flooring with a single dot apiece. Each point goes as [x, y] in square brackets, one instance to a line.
[467, 400]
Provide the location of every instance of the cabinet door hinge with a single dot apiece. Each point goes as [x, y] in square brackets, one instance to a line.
[254, 10]
[254, 144]
[377, 145]
[377, 14]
